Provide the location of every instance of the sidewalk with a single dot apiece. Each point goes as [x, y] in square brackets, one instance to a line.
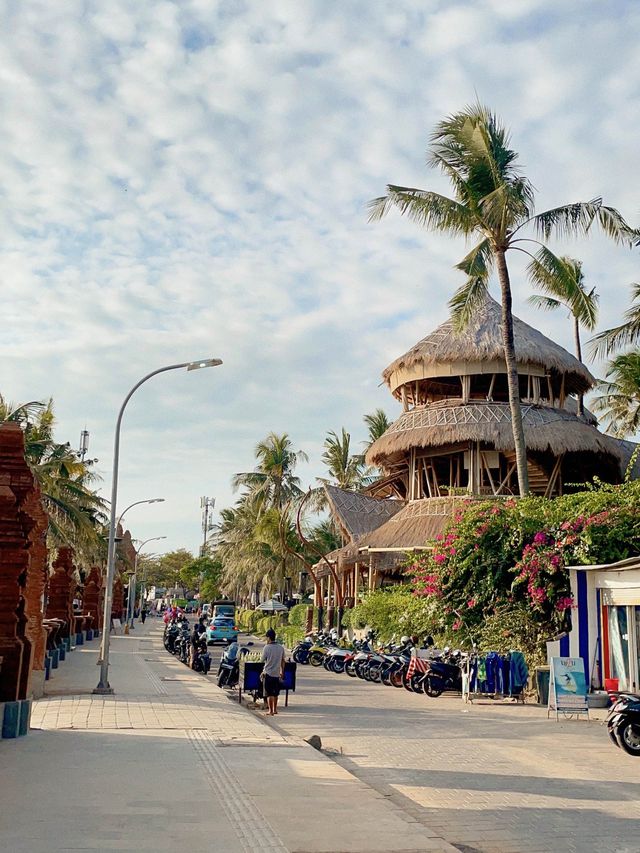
[169, 762]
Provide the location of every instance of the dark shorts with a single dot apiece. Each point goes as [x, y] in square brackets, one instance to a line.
[271, 685]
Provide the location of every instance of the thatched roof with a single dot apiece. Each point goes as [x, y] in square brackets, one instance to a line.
[415, 525]
[481, 341]
[358, 514]
[450, 421]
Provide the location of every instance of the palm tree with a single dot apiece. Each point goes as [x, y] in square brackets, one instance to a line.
[377, 424]
[626, 334]
[561, 281]
[346, 469]
[493, 201]
[76, 513]
[272, 482]
[620, 397]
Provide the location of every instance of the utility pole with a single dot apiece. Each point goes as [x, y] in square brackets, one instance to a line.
[206, 505]
[84, 444]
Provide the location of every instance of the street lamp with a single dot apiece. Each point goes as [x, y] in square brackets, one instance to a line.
[106, 615]
[103, 684]
[144, 575]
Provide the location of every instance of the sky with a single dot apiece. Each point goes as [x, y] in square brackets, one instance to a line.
[188, 179]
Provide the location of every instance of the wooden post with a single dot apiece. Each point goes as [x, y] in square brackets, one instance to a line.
[490, 391]
[405, 401]
[412, 474]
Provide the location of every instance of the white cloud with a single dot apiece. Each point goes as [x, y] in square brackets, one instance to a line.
[180, 179]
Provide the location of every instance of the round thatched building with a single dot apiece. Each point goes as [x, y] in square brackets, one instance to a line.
[454, 435]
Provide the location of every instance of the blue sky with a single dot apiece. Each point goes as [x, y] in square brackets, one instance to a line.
[181, 179]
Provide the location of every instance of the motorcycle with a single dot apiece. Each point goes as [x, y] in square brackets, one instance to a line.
[229, 669]
[443, 674]
[182, 643]
[623, 723]
[301, 652]
[170, 635]
[201, 659]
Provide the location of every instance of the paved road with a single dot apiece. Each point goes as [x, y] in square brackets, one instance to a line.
[489, 779]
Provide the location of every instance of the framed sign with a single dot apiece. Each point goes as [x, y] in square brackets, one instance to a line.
[568, 687]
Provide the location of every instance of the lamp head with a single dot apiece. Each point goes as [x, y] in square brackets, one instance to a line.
[204, 362]
[156, 501]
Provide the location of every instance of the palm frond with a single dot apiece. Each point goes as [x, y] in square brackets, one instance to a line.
[546, 303]
[626, 334]
[466, 300]
[478, 262]
[428, 209]
[576, 220]
[562, 279]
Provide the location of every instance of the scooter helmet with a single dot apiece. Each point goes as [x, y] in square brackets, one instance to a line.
[405, 640]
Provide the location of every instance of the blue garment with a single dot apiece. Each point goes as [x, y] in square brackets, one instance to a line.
[494, 673]
[518, 673]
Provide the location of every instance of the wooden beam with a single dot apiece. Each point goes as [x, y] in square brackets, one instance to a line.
[491, 386]
[405, 402]
[510, 471]
[488, 470]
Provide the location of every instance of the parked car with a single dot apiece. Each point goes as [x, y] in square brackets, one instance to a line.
[222, 629]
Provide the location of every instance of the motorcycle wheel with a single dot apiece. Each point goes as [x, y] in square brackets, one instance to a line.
[385, 677]
[316, 659]
[222, 679]
[628, 735]
[432, 687]
[417, 683]
[374, 672]
[350, 669]
[360, 670]
[297, 657]
[396, 679]
[327, 663]
[337, 666]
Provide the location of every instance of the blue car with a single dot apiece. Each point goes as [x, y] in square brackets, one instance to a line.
[222, 629]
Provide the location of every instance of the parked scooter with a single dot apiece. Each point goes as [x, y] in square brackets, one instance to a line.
[623, 723]
[201, 659]
[229, 669]
[443, 674]
[301, 652]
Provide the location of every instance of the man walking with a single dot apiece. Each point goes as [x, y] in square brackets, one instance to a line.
[272, 671]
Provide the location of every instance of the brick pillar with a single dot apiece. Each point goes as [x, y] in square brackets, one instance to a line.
[20, 515]
[36, 577]
[117, 603]
[62, 587]
[93, 600]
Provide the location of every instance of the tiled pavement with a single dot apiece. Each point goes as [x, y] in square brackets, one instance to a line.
[170, 763]
[489, 779]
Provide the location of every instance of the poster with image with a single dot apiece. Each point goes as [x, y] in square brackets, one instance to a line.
[568, 686]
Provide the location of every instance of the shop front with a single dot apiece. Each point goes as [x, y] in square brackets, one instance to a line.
[605, 629]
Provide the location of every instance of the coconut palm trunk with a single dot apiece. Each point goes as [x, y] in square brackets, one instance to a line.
[513, 383]
[578, 343]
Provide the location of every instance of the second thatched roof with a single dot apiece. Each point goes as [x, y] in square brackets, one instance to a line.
[555, 430]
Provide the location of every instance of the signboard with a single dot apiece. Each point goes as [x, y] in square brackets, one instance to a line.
[568, 687]
[117, 626]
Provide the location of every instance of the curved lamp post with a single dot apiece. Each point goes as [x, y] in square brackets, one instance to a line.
[144, 575]
[103, 684]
